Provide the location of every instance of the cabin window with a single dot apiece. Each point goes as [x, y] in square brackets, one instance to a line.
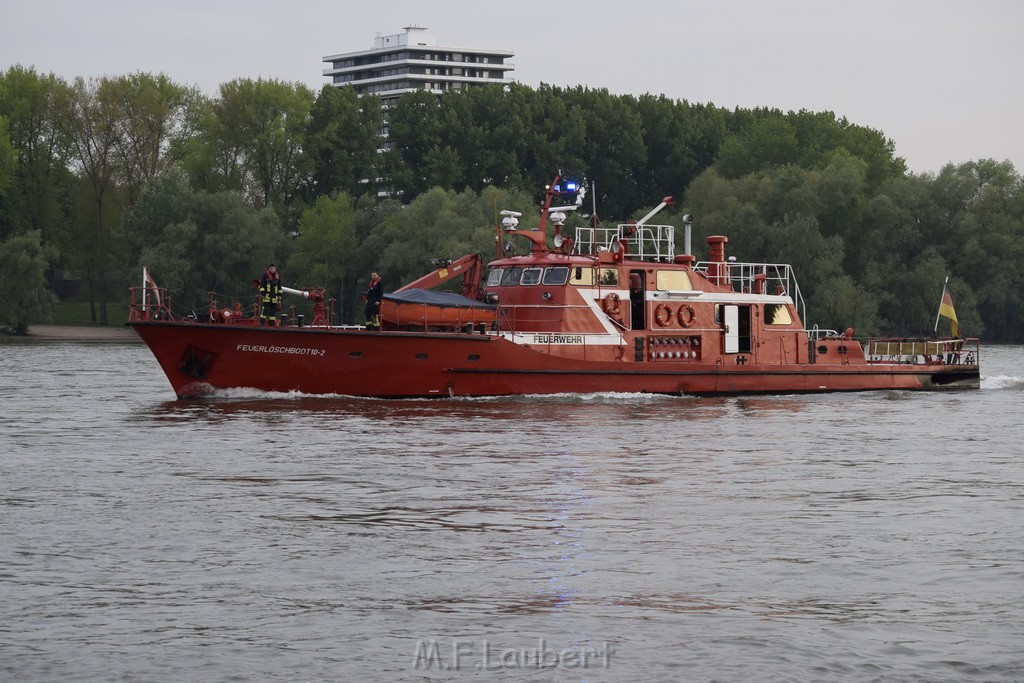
[582, 276]
[777, 314]
[673, 280]
[511, 276]
[609, 276]
[531, 276]
[494, 277]
[556, 275]
[718, 314]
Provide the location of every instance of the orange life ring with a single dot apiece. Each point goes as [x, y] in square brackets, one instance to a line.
[663, 314]
[686, 315]
[610, 304]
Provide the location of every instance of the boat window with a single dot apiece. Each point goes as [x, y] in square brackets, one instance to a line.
[609, 276]
[531, 276]
[582, 276]
[556, 275]
[777, 314]
[511, 277]
[673, 280]
[494, 277]
[718, 314]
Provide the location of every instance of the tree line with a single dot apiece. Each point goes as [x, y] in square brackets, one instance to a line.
[99, 177]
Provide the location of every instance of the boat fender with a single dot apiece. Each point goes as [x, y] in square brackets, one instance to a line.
[610, 304]
[663, 314]
[686, 315]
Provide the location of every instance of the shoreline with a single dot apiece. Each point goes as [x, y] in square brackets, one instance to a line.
[86, 333]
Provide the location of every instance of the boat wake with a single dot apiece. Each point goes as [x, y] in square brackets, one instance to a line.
[609, 397]
[597, 398]
[246, 394]
[1003, 382]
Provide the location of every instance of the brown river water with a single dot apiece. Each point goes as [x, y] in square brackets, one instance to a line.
[854, 537]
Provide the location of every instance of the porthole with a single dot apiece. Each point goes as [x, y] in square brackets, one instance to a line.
[355, 354]
[421, 356]
[473, 356]
[822, 349]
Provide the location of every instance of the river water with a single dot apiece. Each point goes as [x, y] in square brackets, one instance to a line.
[873, 536]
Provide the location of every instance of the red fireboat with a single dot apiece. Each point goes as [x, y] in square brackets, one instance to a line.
[608, 309]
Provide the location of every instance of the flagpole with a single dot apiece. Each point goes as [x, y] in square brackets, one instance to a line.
[145, 286]
[939, 314]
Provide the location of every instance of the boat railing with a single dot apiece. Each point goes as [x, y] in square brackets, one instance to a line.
[923, 351]
[816, 333]
[148, 303]
[642, 242]
[755, 278]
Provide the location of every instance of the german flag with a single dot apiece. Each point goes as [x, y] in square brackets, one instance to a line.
[946, 310]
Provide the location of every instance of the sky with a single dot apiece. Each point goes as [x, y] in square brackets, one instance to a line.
[943, 80]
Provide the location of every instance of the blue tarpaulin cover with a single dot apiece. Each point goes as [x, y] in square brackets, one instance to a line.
[440, 299]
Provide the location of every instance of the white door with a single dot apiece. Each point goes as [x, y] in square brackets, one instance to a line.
[732, 329]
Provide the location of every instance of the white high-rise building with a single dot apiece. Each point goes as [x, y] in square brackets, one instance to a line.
[414, 61]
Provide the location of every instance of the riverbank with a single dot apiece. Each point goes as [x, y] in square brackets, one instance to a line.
[85, 333]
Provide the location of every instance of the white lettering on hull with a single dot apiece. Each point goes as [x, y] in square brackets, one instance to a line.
[558, 339]
[288, 350]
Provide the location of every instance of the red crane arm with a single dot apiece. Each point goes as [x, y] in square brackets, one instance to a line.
[470, 267]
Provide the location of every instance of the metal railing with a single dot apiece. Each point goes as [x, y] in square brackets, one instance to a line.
[922, 351]
[778, 279]
[148, 303]
[643, 242]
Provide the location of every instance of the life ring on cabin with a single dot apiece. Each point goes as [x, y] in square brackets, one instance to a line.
[686, 315]
[663, 314]
[610, 304]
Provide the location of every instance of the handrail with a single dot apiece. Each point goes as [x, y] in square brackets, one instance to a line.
[778, 279]
[643, 242]
[924, 351]
[148, 303]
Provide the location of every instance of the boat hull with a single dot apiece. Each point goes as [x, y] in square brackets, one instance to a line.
[199, 359]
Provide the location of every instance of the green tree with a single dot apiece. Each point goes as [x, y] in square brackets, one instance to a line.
[341, 142]
[976, 223]
[156, 118]
[438, 225]
[23, 281]
[325, 250]
[92, 116]
[768, 141]
[414, 127]
[39, 194]
[7, 164]
[682, 141]
[252, 137]
[195, 242]
[613, 151]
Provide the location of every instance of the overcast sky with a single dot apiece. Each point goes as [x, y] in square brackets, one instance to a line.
[942, 79]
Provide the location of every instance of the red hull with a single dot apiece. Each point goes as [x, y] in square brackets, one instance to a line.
[198, 358]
